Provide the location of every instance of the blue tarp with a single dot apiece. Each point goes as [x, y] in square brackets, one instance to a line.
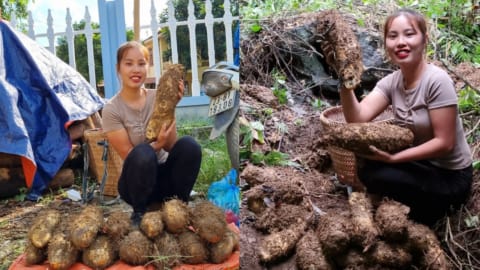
[40, 94]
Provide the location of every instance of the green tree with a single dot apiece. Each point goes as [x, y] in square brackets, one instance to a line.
[81, 60]
[183, 38]
[80, 42]
[17, 7]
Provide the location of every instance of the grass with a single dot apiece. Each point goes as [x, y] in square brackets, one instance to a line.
[215, 161]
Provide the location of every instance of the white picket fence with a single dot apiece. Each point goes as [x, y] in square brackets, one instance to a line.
[154, 27]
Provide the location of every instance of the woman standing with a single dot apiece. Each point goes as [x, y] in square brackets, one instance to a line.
[436, 173]
[156, 171]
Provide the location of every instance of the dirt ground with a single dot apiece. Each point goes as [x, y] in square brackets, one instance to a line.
[314, 181]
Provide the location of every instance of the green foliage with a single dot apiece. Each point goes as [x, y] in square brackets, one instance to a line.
[183, 37]
[318, 104]
[469, 100]
[279, 88]
[17, 7]
[215, 160]
[80, 43]
[254, 11]
[273, 158]
[22, 195]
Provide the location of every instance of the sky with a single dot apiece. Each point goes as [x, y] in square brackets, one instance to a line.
[39, 9]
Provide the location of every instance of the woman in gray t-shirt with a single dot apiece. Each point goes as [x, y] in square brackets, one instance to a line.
[156, 171]
[436, 172]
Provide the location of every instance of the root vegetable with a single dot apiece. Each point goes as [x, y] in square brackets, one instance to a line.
[392, 220]
[391, 255]
[85, 226]
[166, 100]
[280, 244]
[220, 251]
[34, 255]
[61, 252]
[168, 249]
[357, 137]
[364, 230]
[340, 48]
[100, 254]
[279, 218]
[333, 231]
[117, 225]
[176, 216]
[209, 221]
[309, 253]
[194, 250]
[352, 259]
[136, 248]
[43, 226]
[152, 224]
[424, 244]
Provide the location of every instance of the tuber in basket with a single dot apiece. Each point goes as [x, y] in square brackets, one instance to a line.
[344, 161]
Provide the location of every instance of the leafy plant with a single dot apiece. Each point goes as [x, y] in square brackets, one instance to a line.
[469, 100]
[279, 88]
[22, 195]
[273, 158]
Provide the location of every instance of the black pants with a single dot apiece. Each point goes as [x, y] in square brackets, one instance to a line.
[144, 181]
[428, 190]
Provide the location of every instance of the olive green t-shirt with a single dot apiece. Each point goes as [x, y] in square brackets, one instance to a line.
[116, 114]
[411, 106]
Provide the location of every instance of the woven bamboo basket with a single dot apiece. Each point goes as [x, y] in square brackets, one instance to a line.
[96, 164]
[345, 161]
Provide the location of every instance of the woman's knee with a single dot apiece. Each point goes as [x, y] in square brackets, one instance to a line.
[188, 146]
[142, 153]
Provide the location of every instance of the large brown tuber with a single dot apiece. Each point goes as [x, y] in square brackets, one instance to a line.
[152, 224]
[117, 225]
[424, 244]
[358, 137]
[85, 226]
[194, 250]
[309, 253]
[220, 251]
[334, 231]
[34, 255]
[136, 248]
[168, 248]
[391, 255]
[364, 230]
[176, 216]
[392, 220]
[340, 47]
[209, 221]
[43, 227]
[280, 244]
[100, 254]
[166, 100]
[61, 252]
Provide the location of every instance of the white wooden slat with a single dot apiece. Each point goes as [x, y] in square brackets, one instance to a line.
[209, 27]
[70, 40]
[90, 54]
[228, 19]
[156, 48]
[172, 26]
[50, 32]
[31, 30]
[193, 49]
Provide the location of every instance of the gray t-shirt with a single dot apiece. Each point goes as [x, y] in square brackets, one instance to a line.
[410, 108]
[116, 114]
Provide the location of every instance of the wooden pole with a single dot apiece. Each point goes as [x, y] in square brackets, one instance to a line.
[136, 19]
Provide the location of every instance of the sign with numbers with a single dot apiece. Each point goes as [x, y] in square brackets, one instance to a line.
[221, 102]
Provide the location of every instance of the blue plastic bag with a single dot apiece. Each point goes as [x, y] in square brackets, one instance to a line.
[225, 193]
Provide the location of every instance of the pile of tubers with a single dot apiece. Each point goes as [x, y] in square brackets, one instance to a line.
[365, 236]
[176, 234]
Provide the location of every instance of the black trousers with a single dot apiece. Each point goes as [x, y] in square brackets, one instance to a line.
[144, 181]
[429, 191]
